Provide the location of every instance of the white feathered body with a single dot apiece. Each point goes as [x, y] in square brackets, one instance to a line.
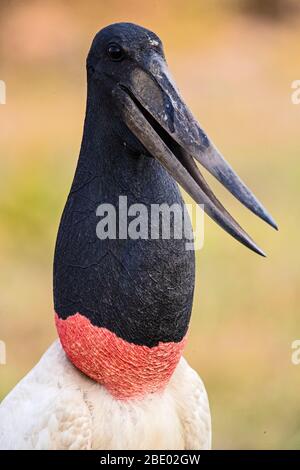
[57, 407]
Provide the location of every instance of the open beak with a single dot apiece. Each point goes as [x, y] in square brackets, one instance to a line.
[155, 113]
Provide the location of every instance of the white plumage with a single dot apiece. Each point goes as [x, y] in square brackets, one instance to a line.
[57, 407]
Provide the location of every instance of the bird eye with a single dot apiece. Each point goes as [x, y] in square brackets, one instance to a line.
[115, 52]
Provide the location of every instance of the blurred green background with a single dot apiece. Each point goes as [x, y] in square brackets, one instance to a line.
[234, 62]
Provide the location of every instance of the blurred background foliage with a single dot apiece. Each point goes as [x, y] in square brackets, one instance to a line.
[234, 62]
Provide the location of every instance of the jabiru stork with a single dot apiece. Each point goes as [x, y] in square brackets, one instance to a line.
[116, 378]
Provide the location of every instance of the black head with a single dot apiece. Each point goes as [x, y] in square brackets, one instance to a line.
[127, 70]
[118, 50]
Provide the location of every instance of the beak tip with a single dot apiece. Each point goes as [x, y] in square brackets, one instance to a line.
[259, 251]
[249, 243]
[271, 221]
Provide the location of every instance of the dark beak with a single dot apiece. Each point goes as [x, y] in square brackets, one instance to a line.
[155, 113]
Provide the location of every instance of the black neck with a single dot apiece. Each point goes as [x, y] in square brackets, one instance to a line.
[142, 290]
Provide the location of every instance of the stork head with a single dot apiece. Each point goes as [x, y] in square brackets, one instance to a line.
[127, 63]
